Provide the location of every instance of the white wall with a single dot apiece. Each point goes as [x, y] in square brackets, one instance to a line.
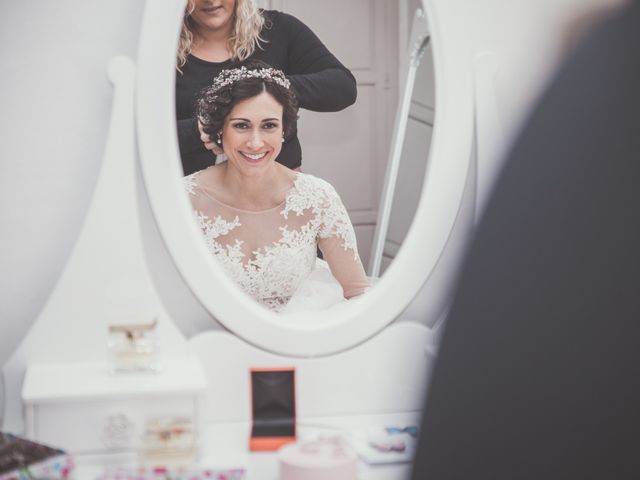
[55, 102]
[531, 39]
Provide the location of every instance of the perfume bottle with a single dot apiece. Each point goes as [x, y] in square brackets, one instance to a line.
[133, 348]
[168, 441]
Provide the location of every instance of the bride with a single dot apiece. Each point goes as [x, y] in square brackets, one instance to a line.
[262, 221]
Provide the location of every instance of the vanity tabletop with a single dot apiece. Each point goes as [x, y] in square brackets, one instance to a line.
[225, 445]
[50, 383]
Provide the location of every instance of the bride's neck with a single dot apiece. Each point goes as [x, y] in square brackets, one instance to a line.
[257, 192]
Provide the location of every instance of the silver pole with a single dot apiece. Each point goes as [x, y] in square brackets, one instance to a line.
[418, 43]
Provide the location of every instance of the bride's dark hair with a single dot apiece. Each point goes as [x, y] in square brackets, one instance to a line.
[215, 102]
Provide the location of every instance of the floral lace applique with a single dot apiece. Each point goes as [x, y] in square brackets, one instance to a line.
[189, 183]
[272, 273]
[330, 217]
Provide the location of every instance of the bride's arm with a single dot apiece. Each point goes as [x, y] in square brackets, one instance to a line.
[345, 265]
[337, 241]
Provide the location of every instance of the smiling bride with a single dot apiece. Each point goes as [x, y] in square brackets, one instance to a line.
[262, 221]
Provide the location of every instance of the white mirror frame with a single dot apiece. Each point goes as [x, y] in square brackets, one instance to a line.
[352, 322]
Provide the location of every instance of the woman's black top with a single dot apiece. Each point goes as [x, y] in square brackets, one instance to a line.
[321, 83]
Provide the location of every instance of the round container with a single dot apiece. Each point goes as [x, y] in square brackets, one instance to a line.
[322, 459]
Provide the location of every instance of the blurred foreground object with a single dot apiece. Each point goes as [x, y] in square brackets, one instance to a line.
[23, 459]
[538, 374]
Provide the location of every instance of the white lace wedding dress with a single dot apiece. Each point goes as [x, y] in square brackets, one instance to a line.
[272, 254]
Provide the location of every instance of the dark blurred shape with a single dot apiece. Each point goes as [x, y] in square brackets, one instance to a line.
[24, 459]
[538, 375]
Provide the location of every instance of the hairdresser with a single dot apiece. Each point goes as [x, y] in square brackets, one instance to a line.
[222, 34]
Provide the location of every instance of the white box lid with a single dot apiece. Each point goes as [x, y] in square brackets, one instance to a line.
[92, 380]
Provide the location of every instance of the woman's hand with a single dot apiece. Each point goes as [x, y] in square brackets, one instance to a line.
[208, 143]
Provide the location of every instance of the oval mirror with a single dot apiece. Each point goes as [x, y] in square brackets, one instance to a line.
[347, 324]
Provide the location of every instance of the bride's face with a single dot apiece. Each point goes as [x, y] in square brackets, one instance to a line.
[252, 134]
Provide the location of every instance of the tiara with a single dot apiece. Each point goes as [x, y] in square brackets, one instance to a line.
[229, 76]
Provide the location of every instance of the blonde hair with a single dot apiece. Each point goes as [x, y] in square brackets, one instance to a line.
[245, 36]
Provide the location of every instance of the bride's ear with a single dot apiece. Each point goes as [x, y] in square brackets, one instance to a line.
[209, 144]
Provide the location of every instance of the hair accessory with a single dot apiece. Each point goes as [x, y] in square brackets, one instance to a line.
[229, 76]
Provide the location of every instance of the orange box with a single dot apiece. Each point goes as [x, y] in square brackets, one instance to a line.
[273, 408]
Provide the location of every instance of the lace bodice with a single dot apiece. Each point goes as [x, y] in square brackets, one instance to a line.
[270, 252]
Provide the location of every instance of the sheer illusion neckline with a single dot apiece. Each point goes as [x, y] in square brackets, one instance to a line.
[205, 190]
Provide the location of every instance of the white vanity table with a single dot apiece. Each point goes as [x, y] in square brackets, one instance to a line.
[70, 405]
[82, 407]
[98, 417]
[74, 406]
[225, 445]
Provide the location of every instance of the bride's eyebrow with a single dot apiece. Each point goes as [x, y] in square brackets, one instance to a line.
[239, 119]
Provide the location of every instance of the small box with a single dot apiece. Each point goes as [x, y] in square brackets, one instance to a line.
[273, 408]
[85, 409]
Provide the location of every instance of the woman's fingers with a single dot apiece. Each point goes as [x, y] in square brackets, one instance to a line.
[214, 147]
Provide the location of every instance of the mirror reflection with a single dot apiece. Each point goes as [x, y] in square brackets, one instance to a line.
[407, 164]
[261, 220]
[284, 224]
[222, 34]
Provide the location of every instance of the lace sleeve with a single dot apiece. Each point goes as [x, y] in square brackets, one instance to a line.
[337, 241]
[189, 183]
[334, 221]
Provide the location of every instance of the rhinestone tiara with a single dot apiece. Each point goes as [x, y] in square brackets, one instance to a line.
[229, 76]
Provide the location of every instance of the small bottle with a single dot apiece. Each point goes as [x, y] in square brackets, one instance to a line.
[168, 441]
[133, 348]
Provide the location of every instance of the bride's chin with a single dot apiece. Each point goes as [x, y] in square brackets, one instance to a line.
[254, 169]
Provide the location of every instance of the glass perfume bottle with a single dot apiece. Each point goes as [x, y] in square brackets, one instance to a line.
[168, 441]
[133, 348]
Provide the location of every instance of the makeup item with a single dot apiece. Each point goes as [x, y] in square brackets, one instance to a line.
[384, 444]
[394, 438]
[411, 430]
[387, 443]
[168, 441]
[325, 458]
[133, 348]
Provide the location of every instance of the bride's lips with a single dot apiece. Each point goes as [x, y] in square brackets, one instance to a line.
[254, 157]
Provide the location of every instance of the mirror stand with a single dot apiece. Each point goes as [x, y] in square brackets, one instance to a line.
[418, 41]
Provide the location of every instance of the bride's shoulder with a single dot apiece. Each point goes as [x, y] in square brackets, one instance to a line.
[202, 178]
[311, 192]
[190, 183]
[311, 183]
